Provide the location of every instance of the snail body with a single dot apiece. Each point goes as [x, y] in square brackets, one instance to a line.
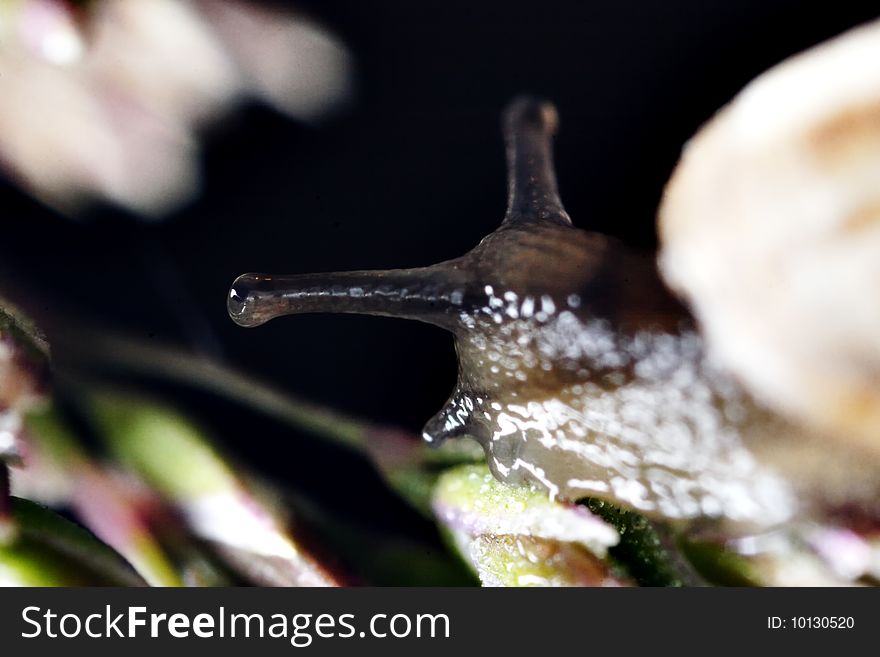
[578, 370]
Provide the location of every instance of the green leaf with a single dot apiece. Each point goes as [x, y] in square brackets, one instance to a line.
[47, 550]
[719, 565]
[641, 550]
[527, 561]
[104, 503]
[175, 457]
[518, 536]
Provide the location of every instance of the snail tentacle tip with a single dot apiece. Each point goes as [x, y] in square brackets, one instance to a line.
[240, 301]
[531, 111]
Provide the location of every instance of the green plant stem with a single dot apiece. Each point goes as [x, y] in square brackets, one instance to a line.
[407, 464]
[111, 352]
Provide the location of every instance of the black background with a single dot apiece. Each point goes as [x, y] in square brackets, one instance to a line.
[412, 173]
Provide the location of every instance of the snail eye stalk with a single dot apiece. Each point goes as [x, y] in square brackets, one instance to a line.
[532, 193]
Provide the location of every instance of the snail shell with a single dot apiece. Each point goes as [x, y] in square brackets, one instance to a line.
[578, 370]
[771, 229]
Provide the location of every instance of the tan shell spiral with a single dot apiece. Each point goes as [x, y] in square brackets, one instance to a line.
[770, 228]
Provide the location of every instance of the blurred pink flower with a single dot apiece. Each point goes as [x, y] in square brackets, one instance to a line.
[104, 102]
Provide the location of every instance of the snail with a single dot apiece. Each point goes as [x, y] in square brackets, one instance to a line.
[580, 371]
